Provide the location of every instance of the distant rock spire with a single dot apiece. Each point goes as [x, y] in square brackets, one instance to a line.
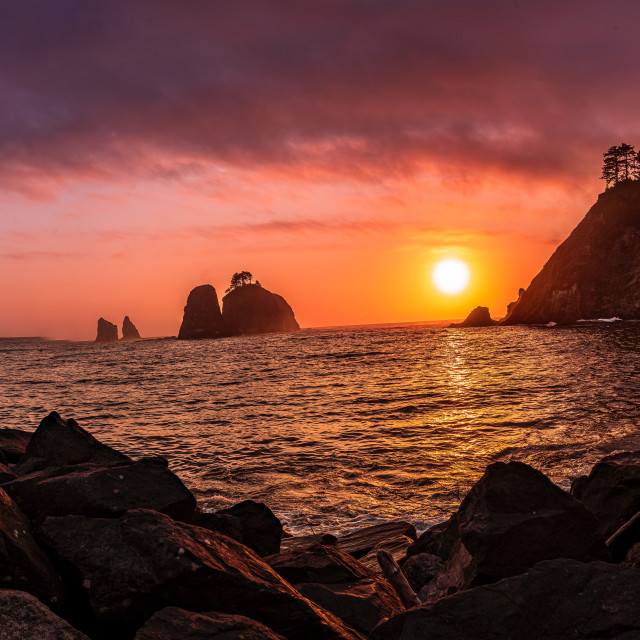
[107, 331]
[129, 331]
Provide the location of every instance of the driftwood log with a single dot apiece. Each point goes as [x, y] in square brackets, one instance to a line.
[620, 541]
[394, 575]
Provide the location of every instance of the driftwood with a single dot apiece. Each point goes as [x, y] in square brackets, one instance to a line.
[394, 575]
[620, 542]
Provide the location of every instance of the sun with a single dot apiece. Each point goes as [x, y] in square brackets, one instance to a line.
[451, 276]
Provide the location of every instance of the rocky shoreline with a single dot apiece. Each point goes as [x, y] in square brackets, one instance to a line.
[97, 545]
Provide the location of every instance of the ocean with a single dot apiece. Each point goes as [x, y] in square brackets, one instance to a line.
[339, 428]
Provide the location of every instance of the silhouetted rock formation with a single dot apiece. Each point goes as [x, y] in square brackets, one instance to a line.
[253, 309]
[595, 272]
[107, 332]
[129, 331]
[479, 317]
[202, 317]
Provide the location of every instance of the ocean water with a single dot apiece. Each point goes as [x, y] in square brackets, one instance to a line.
[340, 428]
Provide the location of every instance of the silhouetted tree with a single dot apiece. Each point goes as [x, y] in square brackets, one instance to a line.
[239, 279]
[620, 163]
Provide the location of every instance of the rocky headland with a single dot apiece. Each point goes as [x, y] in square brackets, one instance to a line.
[479, 317]
[97, 545]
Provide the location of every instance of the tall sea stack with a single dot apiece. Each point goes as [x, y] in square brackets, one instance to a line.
[252, 309]
[107, 331]
[595, 272]
[202, 317]
[129, 331]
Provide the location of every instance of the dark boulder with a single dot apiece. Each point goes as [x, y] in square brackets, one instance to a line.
[251, 309]
[102, 492]
[612, 490]
[560, 599]
[397, 547]
[437, 540]
[143, 561]
[173, 623]
[129, 331]
[13, 443]
[23, 565]
[223, 523]
[57, 442]
[479, 317]
[632, 559]
[23, 617]
[202, 317]
[261, 530]
[6, 475]
[362, 541]
[421, 569]
[512, 518]
[107, 332]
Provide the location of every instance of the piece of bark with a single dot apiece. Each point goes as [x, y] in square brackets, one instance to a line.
[394, 575]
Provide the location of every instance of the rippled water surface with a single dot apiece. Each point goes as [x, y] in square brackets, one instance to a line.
[338, 428]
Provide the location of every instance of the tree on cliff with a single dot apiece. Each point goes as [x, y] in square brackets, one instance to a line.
[239, 280]
[620, 163]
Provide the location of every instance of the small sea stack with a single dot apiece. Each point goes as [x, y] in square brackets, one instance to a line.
[202, 317]
[129, 331]
[107, 331]
[479, 317]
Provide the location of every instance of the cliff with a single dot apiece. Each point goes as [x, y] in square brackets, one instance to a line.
[202, 317]
[595, 272]
[107, 331]
[253, 309]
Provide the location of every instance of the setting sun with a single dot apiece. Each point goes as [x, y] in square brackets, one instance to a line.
[451, 276]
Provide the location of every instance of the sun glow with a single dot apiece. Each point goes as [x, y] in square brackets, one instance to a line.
[451, 276]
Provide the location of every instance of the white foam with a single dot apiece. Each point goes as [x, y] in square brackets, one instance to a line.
[614, 319]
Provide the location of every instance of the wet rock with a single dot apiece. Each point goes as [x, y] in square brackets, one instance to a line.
[560, 599]
[23, 617]
[107, 332]
[6, 475]
[362, 541]
[437, 540]
[102, 491]
[301, 543]
[612, 490]
[143, 561]
[479, 317]
[252, 309]
[173, 623]
[129, 331]
[420, 569]
[13, 443]
[202, 317]
[512, 518]
[397, 547]
[57, 442]
[23, 565]
[223, 523]
[261, 530]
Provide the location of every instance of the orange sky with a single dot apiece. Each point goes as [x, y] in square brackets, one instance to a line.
[337, 154]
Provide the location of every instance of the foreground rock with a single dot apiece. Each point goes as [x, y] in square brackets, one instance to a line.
[339, 583]
[595, 271]
[361, 542]
[57, 442]
[13, 443]
[23, 565]
[102, 491]
[252, 309]
[397, 547]
[107, 332]
[560, 599]
[143, 561]
[512, 518]
[479, 317]
[23, 617]
[129, 331]
[612, 490]
[202, 317]
[173, 623]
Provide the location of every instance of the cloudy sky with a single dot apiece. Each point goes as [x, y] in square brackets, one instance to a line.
[337, 149]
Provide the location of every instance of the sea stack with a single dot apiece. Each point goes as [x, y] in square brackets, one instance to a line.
[595, 272]
[129, 331]
[252, 309]
[107, 332]
[479, 317]
[202, 317]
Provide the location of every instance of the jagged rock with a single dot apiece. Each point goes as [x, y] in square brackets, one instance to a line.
[479, 317]
[361, 542]
[513, 517]
[202, 317]
[338, 582]
[437, 540]
[252, 309]
[223, 523]
[611, 491]
[143, 561]
[23, 565]
[105, 492]
[301, 543]
[6, 475]
[129, 331]
[13, 443]
[261, 530]
[421, 569]
[57, 442]
[397, 547]
[173, 623]
[107, 332]
[23, 617]
[511, 305]
[560, 599]
[595, 271]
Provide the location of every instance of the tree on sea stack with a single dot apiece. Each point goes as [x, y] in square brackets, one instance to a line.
[240, 279]
[620, 163]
